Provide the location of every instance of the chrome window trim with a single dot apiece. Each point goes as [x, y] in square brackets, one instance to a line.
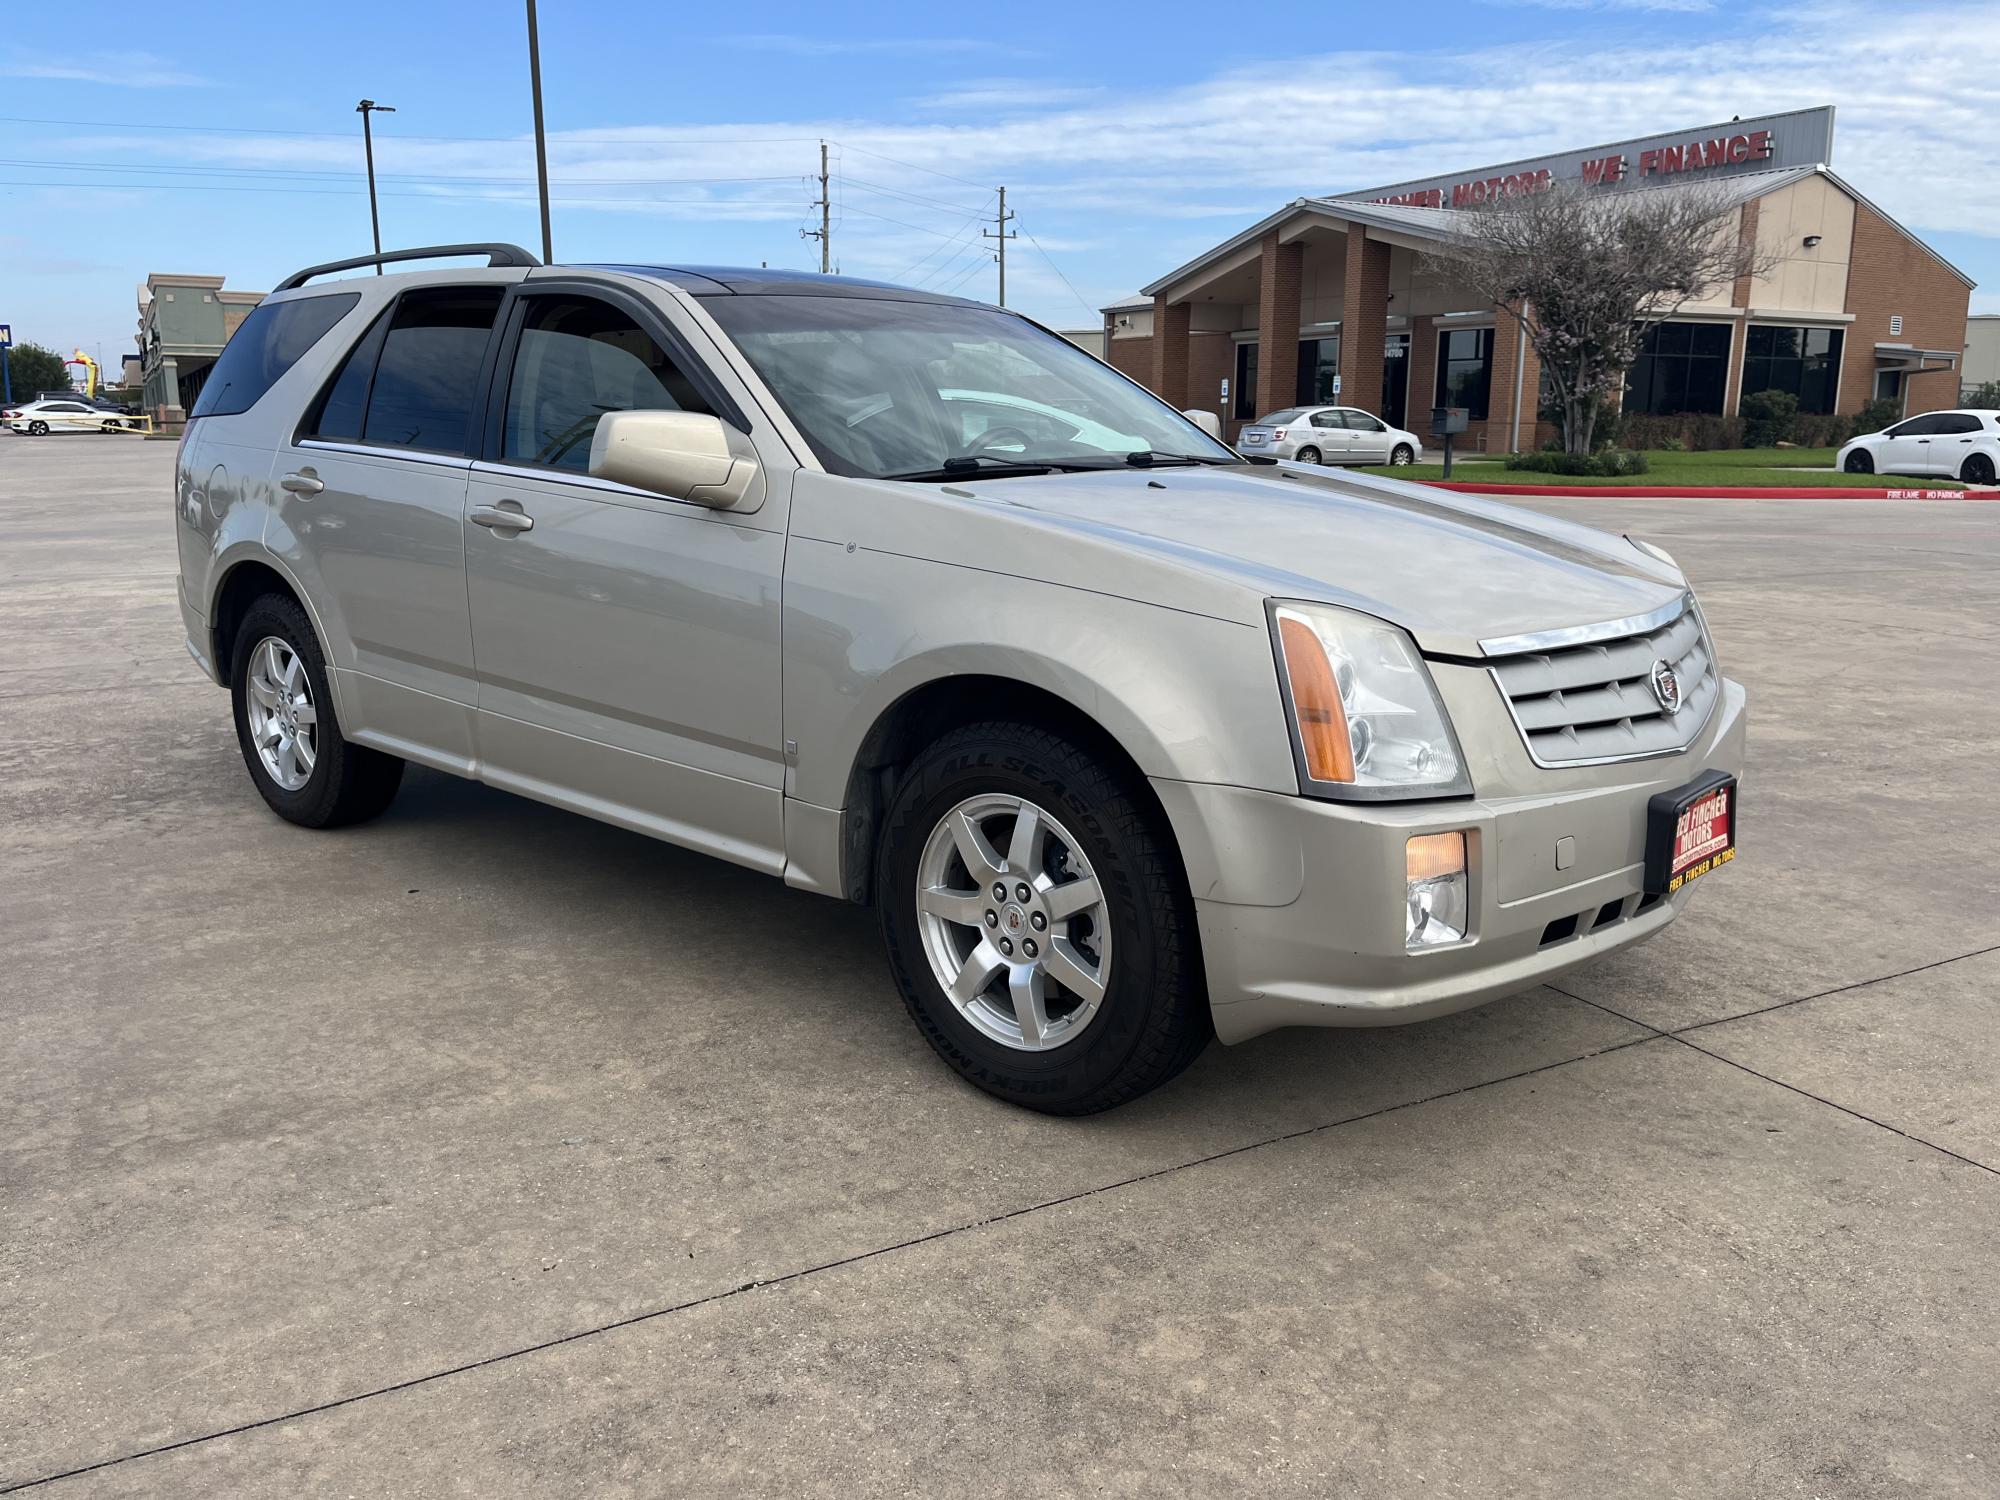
[499, 468]
[370, 450]
[1585, 635]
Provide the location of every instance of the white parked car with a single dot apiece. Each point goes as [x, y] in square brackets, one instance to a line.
[40, 418]
[1329, 435]
[1955, 444]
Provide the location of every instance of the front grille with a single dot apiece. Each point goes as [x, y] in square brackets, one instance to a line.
[1594, 701]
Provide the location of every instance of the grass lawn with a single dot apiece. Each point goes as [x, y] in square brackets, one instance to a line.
[1732, 467]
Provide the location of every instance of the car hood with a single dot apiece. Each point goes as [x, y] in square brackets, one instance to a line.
[1451, 569]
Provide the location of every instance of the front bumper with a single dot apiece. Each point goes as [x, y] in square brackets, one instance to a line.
[1301, 902]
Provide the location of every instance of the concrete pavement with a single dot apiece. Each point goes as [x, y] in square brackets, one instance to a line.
[486, 1150]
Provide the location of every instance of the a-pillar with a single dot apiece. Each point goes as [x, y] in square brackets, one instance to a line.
[1364, 321]
[1278, 316]
[1171, 324]
[1510, 429]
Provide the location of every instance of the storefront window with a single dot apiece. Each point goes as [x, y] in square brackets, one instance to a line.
[1682, 367]
[1243, 404]
[1465, 370]
[1804, 361]
[1319, 362]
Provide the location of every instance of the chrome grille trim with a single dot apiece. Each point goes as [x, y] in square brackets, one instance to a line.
[1583, 696]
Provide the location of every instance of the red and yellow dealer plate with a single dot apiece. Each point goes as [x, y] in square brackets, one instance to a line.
[1690, 832]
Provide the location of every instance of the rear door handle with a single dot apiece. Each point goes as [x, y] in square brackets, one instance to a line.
[499, 518]
[305, 482]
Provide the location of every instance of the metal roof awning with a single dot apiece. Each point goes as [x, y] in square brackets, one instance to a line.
[1909, 357]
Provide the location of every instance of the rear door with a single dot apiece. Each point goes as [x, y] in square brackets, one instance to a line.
[1330, 435]
[1953, 442]
[371, 501]
[628, 644]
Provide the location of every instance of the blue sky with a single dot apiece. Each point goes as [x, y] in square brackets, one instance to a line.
[1130, 136]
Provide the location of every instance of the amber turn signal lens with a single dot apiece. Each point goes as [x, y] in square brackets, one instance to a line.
[1431, 856]
[1316, 702]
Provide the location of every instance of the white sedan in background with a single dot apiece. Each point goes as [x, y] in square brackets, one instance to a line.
[40, 418]
[1329, 435]
[1961, 444]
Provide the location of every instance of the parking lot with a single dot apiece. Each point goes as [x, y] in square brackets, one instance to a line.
[486, 1150]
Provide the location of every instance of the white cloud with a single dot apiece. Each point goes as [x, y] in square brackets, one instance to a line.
[137, 70]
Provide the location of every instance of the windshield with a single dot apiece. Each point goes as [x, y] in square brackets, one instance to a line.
[886, 389]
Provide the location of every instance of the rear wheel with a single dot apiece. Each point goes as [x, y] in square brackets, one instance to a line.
[38, 428]
[1978, 469]
[1860, 461]
[287, 728]
[1402, 457]
[1308, 455]
[1037, 922]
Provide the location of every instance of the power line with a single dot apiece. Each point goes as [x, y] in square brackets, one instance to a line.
[1094, 312]
[913, 166]
[966, 229]
[508, 140]
[331, 173]
[893, 192]
[358, 191]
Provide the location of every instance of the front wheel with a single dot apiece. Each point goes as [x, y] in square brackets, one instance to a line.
[1037, 922]
[1402, 457]
[1308, 455]
[302, 765]
[1860, 461]
[1978, 469]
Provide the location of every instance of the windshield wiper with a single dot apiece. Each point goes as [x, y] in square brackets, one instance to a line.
[1152, 458]
[967, 465]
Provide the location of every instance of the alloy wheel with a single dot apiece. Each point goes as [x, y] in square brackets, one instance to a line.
[1014, 922]
[284, 721]
[1402, 458]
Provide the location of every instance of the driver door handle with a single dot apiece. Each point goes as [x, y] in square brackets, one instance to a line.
[499, 518]
[304, 482]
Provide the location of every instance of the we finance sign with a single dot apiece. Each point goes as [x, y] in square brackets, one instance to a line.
[1802, 138]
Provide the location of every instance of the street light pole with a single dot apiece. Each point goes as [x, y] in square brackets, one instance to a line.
[541, 140]
[364, 109]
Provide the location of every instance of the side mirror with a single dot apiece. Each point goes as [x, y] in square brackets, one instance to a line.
[683, 455]
[1207, 421]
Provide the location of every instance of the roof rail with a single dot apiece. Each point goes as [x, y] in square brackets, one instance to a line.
[496, 255]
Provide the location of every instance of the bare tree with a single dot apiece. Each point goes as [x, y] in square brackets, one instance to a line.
[1586, 273]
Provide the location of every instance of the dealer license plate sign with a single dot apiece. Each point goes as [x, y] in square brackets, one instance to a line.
[1690, 832]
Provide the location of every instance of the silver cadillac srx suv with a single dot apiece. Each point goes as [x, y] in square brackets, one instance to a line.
[1130, 742]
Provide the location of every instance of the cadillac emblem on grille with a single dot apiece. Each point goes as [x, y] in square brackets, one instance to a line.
[1666, 687]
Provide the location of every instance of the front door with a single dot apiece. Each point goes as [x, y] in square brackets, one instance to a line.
[1396, 380]
[1907, 447]
[627, 644]
[1370, 438]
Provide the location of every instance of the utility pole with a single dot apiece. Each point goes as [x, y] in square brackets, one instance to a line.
[541, 138]
[364, 109]
[1003, 235]
[824, 234]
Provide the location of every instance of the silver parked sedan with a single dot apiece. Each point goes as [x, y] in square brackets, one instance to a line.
[1329, 435]
[1130, 744]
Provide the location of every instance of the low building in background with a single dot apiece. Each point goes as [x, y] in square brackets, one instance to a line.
[183, 323]
[1982, 352]
[1855, 308]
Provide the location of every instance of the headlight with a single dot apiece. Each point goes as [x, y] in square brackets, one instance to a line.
[1366, 721]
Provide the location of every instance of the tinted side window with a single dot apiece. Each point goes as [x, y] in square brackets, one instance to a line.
[579, 358]
[428, 373]
[1958, 423]
[343, 409]
[1915, 427]
[267, 344]
[1360, 421]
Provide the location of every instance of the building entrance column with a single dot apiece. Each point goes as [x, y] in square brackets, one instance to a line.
[1364, 321]
[1278, 317]
[1172, 325]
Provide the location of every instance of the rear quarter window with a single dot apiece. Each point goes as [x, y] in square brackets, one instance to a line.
[269, 342]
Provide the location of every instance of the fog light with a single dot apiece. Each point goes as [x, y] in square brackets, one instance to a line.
[1438, 891]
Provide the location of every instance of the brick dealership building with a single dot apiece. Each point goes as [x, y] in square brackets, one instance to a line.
[1854, 308]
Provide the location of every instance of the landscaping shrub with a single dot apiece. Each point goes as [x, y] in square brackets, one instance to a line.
[1768, 418]
[1603, 464]
[1811, 429]
[1693, 431]
[1878, 414]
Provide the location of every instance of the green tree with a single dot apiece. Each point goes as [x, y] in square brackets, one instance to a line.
[1981, 397]
[31, 368]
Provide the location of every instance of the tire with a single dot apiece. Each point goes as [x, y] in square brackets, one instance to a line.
[1860, 461]
[343, 783]
[1308, 455]
[1978, 469]
[1401, 457]
[1152, 1017]
[109, 426]
[38, 429]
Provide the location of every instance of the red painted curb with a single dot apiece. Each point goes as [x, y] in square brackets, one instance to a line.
[1713, 492]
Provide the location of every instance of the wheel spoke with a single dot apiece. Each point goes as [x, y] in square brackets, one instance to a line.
[261, 690]
[1071, 897]
[303, 753]
[967, 908]
[982, 862]
[976, 973]
[306, 714]
[289, 677]
[1025, 987]
[1024, 848]
[1073, 971]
